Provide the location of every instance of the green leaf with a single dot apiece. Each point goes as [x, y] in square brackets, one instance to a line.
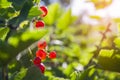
[23, 14]
[17, 2]
[117, 20]
[95, 17]
[117, 42]
[3, 32]
[84, 75]
[53, 12]
[68, 70]
[21, 74]
[73, 75]
[4, 4]
[7, 13]
[17, 43]
[25, 11]
[22, 40]
[37, 1]
[109, 60]
[25, 58]
[5, 52]
[34, 11]
[65, 20]
[3, 13]
[33, 73]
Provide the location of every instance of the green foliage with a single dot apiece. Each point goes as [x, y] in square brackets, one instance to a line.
[34, 11]
[109, 60]
[53, 14]
[65, 20]
[20, 75]
[23, 14]
[3, 33]
[88, 74]
[31, 73]
[117, 42]
[4, 4]
[18, 42]
[82, 53]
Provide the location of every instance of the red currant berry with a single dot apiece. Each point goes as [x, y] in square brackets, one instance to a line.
[42, 44]
[41, 53]
[41, 67]
[37, 60]
[52, 55]
[39, 24]
[44, 10]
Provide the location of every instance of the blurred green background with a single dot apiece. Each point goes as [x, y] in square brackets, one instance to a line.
[86, 39]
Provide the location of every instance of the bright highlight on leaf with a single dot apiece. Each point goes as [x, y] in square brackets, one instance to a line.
[3, 33]
[117, 42]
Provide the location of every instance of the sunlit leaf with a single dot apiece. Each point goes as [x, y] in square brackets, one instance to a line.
[84, 75]
[117, 42]
[37, 1]
[53, 12]
[101, 3]
[65, 20]
[21, 74]
[34, 12]
[95, 17]
[3, 32]
[73, 75]
[4, 4]
[117, 20]
[109, 60]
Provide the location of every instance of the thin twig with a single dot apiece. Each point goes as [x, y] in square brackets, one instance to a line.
[99, 46]
[4, 73]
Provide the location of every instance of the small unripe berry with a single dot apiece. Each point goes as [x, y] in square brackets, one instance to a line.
[37, 60]
[41, 53]
[44, 10]
[42, 44]
[52, 55]
[39, 24]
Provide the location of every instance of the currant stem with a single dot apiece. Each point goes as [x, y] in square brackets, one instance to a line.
[98, 47]
[30, 52]
[4, 73]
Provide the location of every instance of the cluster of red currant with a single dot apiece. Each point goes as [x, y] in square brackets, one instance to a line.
[40, 23]
[41, 54]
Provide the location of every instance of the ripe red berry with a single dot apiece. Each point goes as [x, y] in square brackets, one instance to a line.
[44, 10]
[41, 67]
[37, 60]
[52, 55]
[42, 44]
[41, 53]
[39, 24]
